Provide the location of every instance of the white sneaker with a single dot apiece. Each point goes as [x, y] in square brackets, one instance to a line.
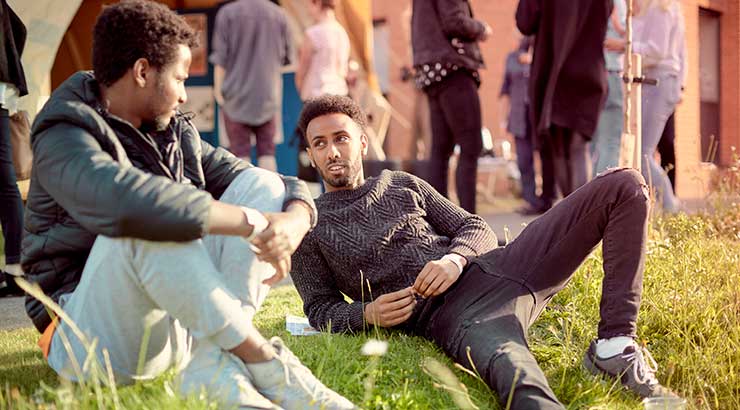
[291, 385]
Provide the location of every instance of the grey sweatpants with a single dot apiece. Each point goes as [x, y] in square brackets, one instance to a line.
[193, 301]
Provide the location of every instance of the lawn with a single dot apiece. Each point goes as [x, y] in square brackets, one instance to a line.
[690, 321]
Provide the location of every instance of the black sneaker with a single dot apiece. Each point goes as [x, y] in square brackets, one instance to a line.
[634, 367]
[8, 287]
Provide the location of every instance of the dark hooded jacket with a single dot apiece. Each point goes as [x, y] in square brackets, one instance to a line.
[95, 174]
[568, 80]
[445, 31]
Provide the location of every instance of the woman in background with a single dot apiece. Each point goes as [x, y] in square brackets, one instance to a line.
[660, 39]
[324, 55]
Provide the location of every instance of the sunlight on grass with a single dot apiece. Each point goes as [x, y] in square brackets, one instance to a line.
[690, 321]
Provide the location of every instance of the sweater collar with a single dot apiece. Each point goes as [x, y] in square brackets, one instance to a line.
[348, 194]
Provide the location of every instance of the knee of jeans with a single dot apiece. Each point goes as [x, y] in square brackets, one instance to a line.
[628, 180]
[257, 188]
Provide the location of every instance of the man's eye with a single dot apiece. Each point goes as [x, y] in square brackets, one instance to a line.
[319, 144]
[342, 138]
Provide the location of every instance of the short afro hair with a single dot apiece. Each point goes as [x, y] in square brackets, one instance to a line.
[132, 29]
[330, 104]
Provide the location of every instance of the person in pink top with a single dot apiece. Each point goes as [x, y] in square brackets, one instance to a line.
[660, 33]
[324, 55]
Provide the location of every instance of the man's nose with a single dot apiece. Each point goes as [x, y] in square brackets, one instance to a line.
[334, 152]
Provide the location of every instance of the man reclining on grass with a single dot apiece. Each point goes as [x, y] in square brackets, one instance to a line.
[411, 260]
[123, 230]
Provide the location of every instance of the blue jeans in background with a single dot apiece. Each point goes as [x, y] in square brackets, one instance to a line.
[608, 137]
[658, 102]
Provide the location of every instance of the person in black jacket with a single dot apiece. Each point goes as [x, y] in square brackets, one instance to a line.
[444, 38]
[568, 80]
[12, 86]
[141, 231]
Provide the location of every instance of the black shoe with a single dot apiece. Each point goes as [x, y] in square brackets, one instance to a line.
[8, 287]
[529, 210]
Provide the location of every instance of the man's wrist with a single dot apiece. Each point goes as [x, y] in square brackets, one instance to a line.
[456, 259]
[256, 220]
[302, 210]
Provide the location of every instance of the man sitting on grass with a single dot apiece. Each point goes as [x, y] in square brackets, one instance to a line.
[411, 260]
[122, 228]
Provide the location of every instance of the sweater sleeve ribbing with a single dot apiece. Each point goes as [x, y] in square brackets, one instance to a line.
[323, 303]
[470, 236]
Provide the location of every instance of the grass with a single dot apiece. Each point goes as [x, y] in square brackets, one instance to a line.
[690, 320]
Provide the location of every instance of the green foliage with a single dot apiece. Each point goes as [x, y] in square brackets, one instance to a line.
[690, 321]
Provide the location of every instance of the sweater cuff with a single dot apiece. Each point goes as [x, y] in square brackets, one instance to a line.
[356, 317]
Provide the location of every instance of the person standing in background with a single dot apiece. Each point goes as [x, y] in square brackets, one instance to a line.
[607, 139]
[660, 39]
[250, 45]
[568, 80]
[515, 103]
[444, 38]
[12, 86]
[667, 149]
[324, 55]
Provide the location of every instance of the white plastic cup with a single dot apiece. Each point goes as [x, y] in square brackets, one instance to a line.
[664, 403]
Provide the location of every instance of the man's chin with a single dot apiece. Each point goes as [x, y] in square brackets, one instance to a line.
[156, 125]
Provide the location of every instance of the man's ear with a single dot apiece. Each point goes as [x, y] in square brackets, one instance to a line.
[310, 157]
[142, 71]
[364, 143]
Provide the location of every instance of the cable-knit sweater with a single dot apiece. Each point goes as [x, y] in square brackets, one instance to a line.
[380, 235]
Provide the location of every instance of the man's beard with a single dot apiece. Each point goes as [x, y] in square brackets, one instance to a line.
[155, 125]
[344, 181]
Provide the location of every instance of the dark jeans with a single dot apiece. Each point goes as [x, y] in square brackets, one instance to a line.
[485, 316]
[455, 114]
[667, 149]
[571, 158]
[11, 206]
[240, 137]
[525, 163]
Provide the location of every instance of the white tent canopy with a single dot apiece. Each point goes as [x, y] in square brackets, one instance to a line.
[46, 22]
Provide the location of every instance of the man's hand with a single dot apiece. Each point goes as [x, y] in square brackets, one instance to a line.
[617, 45]
[487, 32]
[436, 277]
[525, 58]
[391, 309]
[277, 243]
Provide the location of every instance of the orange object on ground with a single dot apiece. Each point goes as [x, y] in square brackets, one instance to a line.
[46, 337]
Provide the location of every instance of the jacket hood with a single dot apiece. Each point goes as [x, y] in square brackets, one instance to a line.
[76, 101]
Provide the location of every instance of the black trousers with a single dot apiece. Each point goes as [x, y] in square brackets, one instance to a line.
[454, 109]
[11, 206]
[571, 158]
[667, 149]
[485, 316]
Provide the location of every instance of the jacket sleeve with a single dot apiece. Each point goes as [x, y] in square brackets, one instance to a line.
[528, 14]
[111, 199]
[470, 236]
[323, 303]
[221, 168]
[456, 21]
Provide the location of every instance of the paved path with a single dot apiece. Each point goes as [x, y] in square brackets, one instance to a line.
[12, 314]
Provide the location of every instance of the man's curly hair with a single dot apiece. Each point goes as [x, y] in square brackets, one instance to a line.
[132, 29]
[330, 104]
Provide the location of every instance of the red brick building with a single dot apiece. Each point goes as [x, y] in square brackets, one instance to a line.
[709, 111]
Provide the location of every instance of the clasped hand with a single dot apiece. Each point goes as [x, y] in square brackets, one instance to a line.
[279, 240]
[394, 308]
